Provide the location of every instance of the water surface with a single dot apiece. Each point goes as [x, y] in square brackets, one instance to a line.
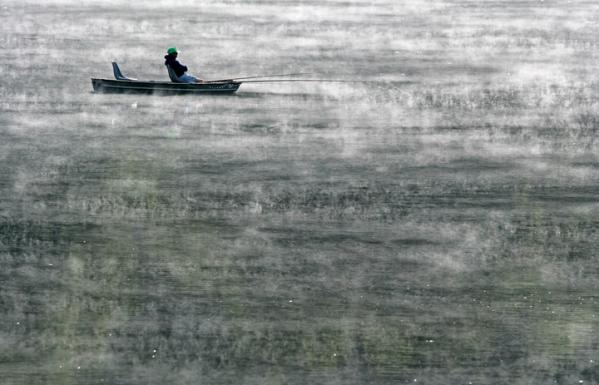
[436, 223]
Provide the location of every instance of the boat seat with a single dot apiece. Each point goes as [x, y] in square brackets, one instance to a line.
[172, 74]
[117, 72]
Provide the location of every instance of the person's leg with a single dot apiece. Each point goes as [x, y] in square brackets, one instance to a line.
[195, 79]
[186, 78]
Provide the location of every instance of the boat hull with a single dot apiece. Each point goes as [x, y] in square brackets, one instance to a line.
[140, 87]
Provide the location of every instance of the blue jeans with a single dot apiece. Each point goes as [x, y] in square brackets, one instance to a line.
[185, 78]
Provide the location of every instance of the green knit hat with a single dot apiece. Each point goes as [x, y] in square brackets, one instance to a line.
[171, 50]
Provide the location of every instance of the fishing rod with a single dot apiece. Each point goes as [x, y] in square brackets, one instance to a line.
[328, 81]
[302, 80]
[310, 80]
[256, 77]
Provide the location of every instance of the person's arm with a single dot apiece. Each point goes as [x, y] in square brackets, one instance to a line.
[178, 67]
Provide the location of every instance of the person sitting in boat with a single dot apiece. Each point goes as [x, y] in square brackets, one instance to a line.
[178, 68]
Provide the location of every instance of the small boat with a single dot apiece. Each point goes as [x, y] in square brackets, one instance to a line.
[123, 84]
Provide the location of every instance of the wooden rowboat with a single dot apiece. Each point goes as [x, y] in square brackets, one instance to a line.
[123, 84]
[150, 87]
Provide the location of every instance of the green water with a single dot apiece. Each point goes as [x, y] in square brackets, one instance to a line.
[435, 224]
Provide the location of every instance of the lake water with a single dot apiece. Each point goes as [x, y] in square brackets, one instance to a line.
[434, 222]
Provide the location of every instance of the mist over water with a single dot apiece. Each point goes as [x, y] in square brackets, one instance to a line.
[435, 223]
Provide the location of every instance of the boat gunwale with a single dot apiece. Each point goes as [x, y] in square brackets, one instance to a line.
[160, 86]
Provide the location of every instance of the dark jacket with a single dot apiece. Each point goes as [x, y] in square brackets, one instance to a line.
[179, 68]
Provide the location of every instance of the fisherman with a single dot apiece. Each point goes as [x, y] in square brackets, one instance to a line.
[178, 68]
